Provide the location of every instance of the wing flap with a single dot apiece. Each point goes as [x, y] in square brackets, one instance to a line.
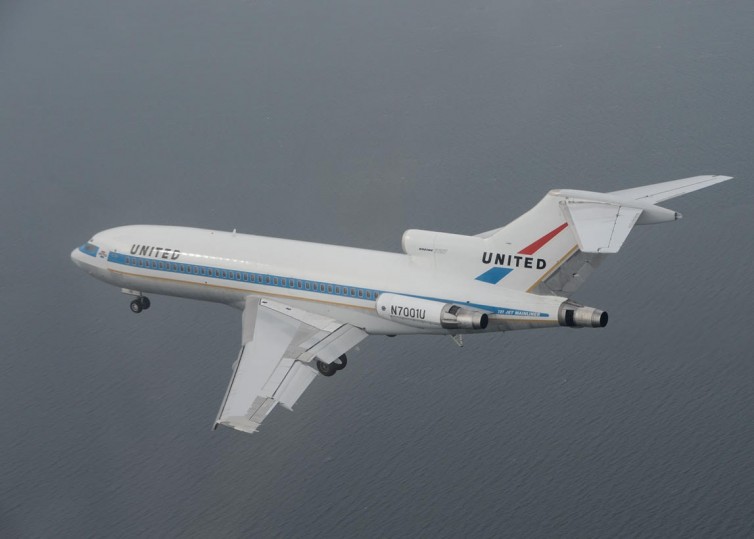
[274, 366]
[254, 366]
[337, 343]
[295, 383]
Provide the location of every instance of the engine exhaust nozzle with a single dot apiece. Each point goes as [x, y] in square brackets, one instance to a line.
[573, 315]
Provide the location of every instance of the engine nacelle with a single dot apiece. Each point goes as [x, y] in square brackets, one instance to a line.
[574, 315]
[425, 313]
[427, 243]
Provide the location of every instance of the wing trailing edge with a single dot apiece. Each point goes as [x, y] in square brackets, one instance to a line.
[276, 362]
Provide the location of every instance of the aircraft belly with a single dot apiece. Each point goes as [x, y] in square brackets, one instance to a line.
[361, 317]
[174, 287]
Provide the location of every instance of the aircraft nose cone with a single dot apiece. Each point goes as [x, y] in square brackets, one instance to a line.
[76, 258]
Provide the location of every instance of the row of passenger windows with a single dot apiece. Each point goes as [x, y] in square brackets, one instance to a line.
[258, 278]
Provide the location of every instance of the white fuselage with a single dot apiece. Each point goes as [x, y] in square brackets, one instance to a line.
[339, 282]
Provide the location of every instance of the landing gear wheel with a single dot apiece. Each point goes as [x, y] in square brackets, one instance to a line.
[136, 306]
[340, 363]
[145, 303]
[326, 369]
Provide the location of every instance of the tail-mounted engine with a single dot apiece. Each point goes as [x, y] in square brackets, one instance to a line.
[425, 313]
[577, 316]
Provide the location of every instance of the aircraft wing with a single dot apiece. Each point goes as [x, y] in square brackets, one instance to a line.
[277, 359]
[667, 190]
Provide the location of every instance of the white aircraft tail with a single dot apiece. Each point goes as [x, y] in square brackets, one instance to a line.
[556, 245]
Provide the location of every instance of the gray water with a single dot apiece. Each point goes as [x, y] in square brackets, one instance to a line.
[348, 122]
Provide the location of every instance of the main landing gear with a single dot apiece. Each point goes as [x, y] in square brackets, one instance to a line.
[329, 369]
[141, 303]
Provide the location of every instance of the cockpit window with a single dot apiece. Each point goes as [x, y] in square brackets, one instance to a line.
[89, 249]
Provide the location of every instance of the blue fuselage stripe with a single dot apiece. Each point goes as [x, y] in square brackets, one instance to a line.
[272, 280]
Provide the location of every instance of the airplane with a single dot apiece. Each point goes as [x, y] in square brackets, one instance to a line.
[306, 304]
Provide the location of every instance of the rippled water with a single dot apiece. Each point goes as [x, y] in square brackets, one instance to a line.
[348, 122]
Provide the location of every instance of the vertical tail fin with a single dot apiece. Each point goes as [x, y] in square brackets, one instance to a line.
[555, 246]
[527, 251]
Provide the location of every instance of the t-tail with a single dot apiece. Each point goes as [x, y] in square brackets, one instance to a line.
[554, 247]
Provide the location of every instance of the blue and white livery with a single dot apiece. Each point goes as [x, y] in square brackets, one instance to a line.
[306, 304]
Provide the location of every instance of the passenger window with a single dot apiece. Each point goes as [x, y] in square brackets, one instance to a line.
[161, 265]
[196, 270]
[321, 287]
[329, 289]
[353, 292]
[361, 293]
[298, 284]
[337, 290]
[267, 279]
[275, 281]
[246, 277]
[307, 285]
[369, 295]
[174, 266]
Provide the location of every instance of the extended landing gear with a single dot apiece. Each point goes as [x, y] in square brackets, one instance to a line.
[141, 303]
[329, 369]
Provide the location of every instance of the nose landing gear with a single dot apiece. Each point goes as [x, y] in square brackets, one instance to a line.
[141, 303]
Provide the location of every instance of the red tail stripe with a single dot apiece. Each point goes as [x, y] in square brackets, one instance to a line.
[537, 245]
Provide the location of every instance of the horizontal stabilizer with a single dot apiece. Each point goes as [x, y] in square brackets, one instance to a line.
[667, 190]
